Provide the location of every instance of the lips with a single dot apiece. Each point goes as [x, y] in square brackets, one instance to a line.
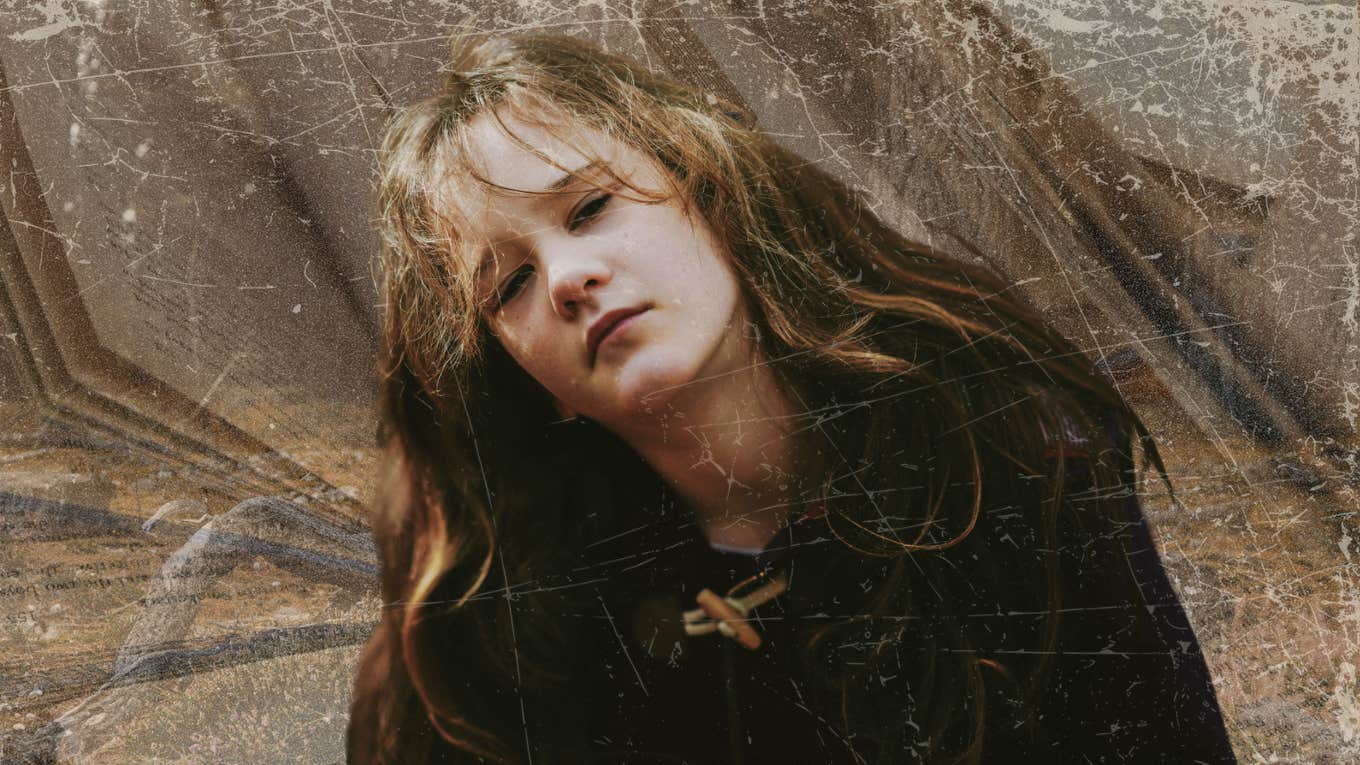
[606, 324]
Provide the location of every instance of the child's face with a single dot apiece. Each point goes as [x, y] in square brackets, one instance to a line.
[605, 299]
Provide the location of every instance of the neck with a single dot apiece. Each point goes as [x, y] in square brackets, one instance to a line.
[729, 453]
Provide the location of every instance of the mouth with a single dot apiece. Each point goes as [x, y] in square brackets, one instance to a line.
[605, 325]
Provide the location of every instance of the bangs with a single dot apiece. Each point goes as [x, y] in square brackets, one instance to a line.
[459, 162]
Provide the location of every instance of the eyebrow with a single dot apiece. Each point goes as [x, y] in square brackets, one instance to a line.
[563, 181]
[571, 175]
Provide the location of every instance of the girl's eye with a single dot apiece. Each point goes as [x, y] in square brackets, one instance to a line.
[588, 212]
[512, 286]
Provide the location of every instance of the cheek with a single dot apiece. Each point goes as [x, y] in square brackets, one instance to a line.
[706, 269]
[714, 285]
[542, 359]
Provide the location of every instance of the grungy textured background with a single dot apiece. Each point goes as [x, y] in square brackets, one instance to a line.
[187, 316]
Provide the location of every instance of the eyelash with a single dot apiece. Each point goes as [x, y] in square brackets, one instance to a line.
[512, 286]
[583, 215]
[580, 217]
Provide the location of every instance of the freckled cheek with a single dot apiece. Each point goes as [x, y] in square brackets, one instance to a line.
[551, 363]
[522, 350]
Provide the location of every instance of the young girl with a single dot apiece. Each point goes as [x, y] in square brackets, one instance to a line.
[693, 459]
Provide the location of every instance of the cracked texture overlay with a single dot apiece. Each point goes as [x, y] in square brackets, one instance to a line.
[188, 323]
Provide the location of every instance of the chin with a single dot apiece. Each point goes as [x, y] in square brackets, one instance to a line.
[652, 385]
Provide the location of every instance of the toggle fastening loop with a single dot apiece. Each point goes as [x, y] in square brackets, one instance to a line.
[727, 616]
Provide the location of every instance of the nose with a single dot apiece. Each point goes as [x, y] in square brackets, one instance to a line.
[573, 280]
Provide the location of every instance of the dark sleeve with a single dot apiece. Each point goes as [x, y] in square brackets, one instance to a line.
[1129, 683]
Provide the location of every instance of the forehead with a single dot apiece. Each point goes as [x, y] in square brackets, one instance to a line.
[507, 152]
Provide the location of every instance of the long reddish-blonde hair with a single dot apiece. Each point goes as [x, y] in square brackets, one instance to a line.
[913, 369]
